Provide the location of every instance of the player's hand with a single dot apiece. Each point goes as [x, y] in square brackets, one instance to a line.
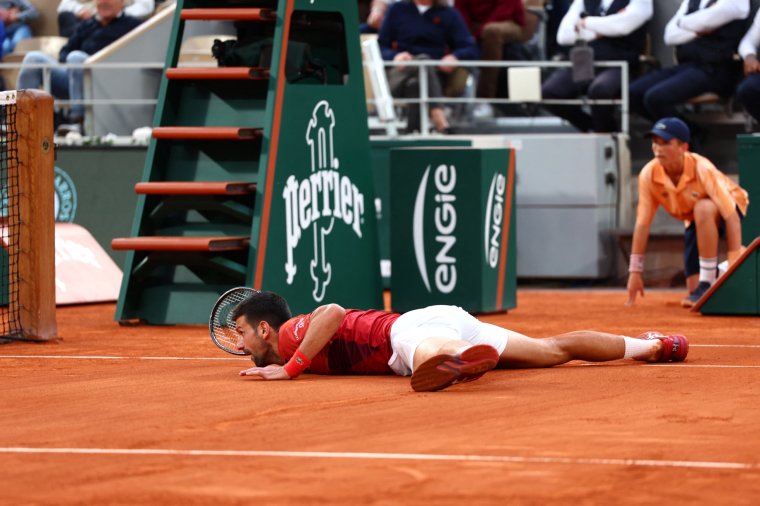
[404, 56]
[635, 287]
[270, 372]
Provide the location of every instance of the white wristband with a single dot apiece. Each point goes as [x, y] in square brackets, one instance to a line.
[637, 263]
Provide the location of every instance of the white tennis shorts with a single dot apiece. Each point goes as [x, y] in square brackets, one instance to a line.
[452, 322]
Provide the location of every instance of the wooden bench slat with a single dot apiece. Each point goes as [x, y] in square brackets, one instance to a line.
[207, 133]
[163, 243]
[194, 188]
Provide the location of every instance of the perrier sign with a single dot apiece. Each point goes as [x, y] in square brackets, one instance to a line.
[317, 226]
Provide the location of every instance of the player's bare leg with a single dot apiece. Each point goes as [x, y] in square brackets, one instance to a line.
[441, 362]
[591, 346]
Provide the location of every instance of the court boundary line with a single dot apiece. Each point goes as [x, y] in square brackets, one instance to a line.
[505, 459]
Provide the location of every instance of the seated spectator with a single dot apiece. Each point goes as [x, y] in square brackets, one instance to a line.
[426, 30]
[71, 12]
[109, 24]
[615, 30]
[494, 23]
[15, 14]
[706, 34]
[749, 89]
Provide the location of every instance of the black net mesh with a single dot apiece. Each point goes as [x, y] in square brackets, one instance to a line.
[10, 325]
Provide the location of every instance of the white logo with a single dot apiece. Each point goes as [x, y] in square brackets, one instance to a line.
[320, 200]
[445, 219]
[494, 219]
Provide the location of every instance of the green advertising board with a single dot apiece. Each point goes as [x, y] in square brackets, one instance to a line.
[749, 179]
[453, 228]
[316, 230]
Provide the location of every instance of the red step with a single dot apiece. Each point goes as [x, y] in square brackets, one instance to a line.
[228, 14]
[194, 188]
[208, 133]
[163, 243]
[218, 73]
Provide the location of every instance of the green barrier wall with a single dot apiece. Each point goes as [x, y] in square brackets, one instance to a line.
[453, 228]
[95, 189]
[749, 179]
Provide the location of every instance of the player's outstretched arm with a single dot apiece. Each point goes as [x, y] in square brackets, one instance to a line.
[323, 323]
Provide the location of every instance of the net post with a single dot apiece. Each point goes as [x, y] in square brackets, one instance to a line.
[36, 265]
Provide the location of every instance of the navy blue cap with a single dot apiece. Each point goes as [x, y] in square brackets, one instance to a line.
[670, 128]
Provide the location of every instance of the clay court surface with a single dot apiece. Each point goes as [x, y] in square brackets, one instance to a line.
[158, 415]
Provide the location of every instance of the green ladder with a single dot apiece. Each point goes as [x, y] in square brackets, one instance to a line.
[257, 175]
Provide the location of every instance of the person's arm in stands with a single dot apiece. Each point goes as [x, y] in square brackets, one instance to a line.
[748, 47]
[26, 11]
[567, 33]
[675, 35]
[622, 22]
[140, 8]
[706, 20]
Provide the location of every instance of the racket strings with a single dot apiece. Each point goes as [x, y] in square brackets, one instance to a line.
[223, 327]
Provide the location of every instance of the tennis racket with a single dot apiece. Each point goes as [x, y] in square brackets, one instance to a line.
[220, 323]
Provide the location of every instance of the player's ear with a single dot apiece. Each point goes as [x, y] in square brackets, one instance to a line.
[265, 330]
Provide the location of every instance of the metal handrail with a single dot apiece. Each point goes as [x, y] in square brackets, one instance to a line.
[424, 100]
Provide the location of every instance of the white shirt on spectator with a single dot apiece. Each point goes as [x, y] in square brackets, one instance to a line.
[137, 8]
[750, 42]
[618, 24]
[683, 28]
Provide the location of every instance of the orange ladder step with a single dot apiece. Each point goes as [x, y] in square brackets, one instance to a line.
[218, 73]
[194, 188]
[163, 243]
[208, 133]
[228, 14]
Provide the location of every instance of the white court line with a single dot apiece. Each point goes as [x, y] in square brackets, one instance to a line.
[111, 357]
[389, 456]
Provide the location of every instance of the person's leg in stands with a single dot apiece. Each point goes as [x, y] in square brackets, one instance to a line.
[493, 37]
[17, 33]
[560, 85]
[749, 95]
[76, 85]
[605, 86]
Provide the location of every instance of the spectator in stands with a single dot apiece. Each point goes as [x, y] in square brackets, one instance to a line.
[495, 24]
[706, 34]
[749, 89]
[615, 30]
[15, 14]
[71, 12]
[108, 25]
[426, 30]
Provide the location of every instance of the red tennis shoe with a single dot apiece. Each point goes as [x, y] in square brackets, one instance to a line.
[674, 348]
[442, 371]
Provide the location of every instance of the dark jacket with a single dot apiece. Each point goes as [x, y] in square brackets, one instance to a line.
[438, 32]
[90, 36]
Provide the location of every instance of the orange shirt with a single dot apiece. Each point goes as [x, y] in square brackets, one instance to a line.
[699, 180]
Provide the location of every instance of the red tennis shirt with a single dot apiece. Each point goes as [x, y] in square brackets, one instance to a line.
[361, 345]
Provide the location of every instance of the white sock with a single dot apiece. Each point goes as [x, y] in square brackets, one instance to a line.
[639, 348]
[708, 269]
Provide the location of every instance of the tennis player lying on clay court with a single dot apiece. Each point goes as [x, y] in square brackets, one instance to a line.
[438, 345]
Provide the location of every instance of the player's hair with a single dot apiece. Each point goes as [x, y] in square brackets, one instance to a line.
[263, 306]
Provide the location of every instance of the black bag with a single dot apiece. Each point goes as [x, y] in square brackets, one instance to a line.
[299, 64]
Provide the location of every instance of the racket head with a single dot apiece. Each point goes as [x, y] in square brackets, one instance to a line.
[220, 323]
